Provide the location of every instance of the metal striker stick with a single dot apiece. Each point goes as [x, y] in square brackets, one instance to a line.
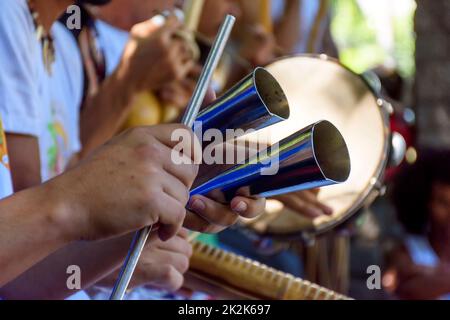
[192, 111]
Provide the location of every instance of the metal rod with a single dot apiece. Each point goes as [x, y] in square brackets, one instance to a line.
[208, 71]
[137, 245]
[192, 110]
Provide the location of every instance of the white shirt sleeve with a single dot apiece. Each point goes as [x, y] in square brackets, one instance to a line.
[19, 88]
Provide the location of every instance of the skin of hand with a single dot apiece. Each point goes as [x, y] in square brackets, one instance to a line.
[154, 57]
[124, 14]
[133, 173]
[213, 14]
[258, 47]
[150, 43]
[178, 93]
[410, 281]
[162, 264]
[305, 203]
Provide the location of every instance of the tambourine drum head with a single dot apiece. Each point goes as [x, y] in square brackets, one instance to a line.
[322, 89]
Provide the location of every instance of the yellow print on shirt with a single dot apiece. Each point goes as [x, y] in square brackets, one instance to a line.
[56, 162]
[3, 149]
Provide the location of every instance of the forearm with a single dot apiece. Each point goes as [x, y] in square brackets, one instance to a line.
[48, 279]
[426, 287]
[105, 112]
[288, 29]
[29, 231]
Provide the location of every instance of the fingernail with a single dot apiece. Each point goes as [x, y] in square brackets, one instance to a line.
[328, 211]
[198, 206]
[241, 207]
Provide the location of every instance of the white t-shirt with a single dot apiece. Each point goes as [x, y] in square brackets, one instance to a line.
[33, 102]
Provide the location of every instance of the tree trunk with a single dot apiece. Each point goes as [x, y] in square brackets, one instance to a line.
[432, 94]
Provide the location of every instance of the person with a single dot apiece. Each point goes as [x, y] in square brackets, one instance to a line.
[111, 32]
[87, 202]
[419, 268]
[111, 43]
[47, 278]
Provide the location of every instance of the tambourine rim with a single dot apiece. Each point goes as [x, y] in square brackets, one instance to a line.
[379, 172]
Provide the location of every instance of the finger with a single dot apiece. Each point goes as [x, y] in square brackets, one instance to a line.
[175, 188]
[180, 167]
[248, 207]
[178, 260]
[176, 245]
[184, 233]
[167, 277]
[172, 23]
[152, 144]
[298, 205]
[146, 28]
[194, 222]
[180, 136]
[213, 211]
[210, 96]
[311, 197]
[183, 68]
[195, 72]
[171, 216]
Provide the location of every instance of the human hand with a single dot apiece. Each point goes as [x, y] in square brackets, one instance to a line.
[305, 203]
[155, 55]
[128, 184]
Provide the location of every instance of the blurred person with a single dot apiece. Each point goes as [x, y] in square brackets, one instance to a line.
[46, 278]
[106, 31]
[420, 267]
[303, 26]
[298, 26]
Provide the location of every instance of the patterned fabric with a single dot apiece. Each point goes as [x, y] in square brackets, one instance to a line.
[5, 177]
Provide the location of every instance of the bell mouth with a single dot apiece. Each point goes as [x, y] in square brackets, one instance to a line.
[271, 93]
[331, 152]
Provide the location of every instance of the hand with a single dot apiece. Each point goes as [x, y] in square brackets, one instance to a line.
[163, 264]
[128, 184]
[207, 215]
[258, 46]
[155, 56]
[305, 203]
[178, 93]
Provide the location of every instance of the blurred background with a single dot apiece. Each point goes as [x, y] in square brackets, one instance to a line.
[407, 43]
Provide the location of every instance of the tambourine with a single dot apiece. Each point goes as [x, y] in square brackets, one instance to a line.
[320, 88]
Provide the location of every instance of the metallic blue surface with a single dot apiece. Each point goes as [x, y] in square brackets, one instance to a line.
[243, 107]
[299, 169]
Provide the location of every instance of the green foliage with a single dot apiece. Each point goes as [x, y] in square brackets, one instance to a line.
[358, 42]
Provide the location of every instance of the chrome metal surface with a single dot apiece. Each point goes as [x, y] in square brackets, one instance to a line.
[314, 157]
